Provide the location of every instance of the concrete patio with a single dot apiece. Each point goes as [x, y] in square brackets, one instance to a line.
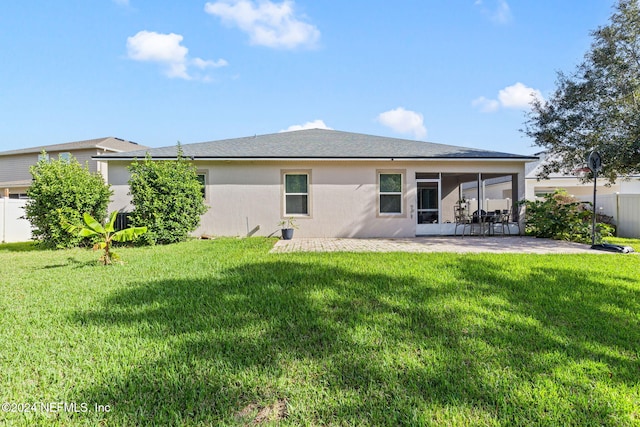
[525, 245]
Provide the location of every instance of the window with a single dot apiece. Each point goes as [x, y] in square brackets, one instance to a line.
[296, 194]
[43, 157]
[202, 179]
[65, 157]
[390, 193]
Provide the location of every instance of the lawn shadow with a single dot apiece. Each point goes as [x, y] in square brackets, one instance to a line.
[20, 247]
[383, 347]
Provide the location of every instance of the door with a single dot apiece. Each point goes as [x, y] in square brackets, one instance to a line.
[428, 203]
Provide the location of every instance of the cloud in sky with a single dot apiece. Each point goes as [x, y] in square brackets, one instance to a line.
[122, 2]
[167, 50]
[497, 10]
[516, 96]
[404, 121]
[267, 23]
[316, 124]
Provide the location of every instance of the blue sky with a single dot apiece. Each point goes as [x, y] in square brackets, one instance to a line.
[457, 72]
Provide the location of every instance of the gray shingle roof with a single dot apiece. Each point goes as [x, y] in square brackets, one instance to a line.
[318, 144]
[108, 143]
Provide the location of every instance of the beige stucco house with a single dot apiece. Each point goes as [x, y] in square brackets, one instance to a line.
[335, 184]
[15, 177]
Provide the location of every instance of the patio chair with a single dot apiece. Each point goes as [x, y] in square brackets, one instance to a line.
[482, 221]
[513, 218]
[462, 218]
[500, 222]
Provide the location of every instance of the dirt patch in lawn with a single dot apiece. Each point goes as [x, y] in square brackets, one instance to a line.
[254, 414]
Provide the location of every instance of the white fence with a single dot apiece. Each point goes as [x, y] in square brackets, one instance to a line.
[13, 226]
[625, 210]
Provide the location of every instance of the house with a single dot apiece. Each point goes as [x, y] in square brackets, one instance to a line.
[15, 177]
[536, 187]
[335, 184]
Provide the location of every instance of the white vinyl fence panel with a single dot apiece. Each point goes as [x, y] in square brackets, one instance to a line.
[625, 210]
[13, 226]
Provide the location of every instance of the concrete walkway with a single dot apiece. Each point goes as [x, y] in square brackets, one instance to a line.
[525, 245]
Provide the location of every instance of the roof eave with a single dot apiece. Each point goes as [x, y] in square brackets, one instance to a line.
[307, 158]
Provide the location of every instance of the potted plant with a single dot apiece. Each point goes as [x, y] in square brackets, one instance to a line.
[288, 225]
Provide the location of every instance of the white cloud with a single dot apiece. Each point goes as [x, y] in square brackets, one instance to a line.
[486, 105]
[316, 124]
[166, 50]
[516, 96]
[203, 64]
[498, 10]
[267, 23]
[404, 121]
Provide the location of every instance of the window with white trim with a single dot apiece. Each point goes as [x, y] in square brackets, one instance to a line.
[296, 193]
[390, 195]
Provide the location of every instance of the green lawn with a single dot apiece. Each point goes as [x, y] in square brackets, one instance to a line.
[224, 333]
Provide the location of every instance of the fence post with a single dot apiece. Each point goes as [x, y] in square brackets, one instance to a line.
[4, 214]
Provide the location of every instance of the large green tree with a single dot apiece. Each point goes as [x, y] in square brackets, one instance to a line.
[597, 107]
[60, 192]
[167, 198]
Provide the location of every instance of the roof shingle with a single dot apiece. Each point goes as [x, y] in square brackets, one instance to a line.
[318, 144]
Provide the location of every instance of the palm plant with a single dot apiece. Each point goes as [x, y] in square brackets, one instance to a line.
[106, 233]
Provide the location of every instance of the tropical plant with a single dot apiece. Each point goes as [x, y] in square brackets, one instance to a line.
[60, 190]
[289, 222]
[106, 234]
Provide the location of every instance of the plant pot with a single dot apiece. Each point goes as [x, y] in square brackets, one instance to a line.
[287, 233]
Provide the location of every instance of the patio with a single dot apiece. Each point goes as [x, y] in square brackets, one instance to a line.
[525, 245]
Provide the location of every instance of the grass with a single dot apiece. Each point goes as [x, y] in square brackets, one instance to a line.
[224, 333]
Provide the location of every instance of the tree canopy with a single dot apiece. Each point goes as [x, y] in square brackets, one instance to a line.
[597, 107]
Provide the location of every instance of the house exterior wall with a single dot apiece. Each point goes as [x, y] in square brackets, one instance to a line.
[15, 168]
[576, 188]
[246, 198]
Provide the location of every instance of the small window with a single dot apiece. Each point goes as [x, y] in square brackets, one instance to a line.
[65, 157]
[390, 195]
[43, 157]
[296, 194]
[202, 179]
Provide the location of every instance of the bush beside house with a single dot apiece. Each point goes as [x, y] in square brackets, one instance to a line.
[561, 216]
[167, 198]
[60, 192]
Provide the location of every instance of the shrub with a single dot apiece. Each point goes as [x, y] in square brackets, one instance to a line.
[562, 217]
[61, 190]
[167, 198]
[106, 235]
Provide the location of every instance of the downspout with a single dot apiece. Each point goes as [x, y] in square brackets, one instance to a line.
[617, 213]
[4, 215]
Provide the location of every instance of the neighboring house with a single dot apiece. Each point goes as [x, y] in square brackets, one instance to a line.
[498, 188]
[571, 183]
[15, 177]
[336, 184]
